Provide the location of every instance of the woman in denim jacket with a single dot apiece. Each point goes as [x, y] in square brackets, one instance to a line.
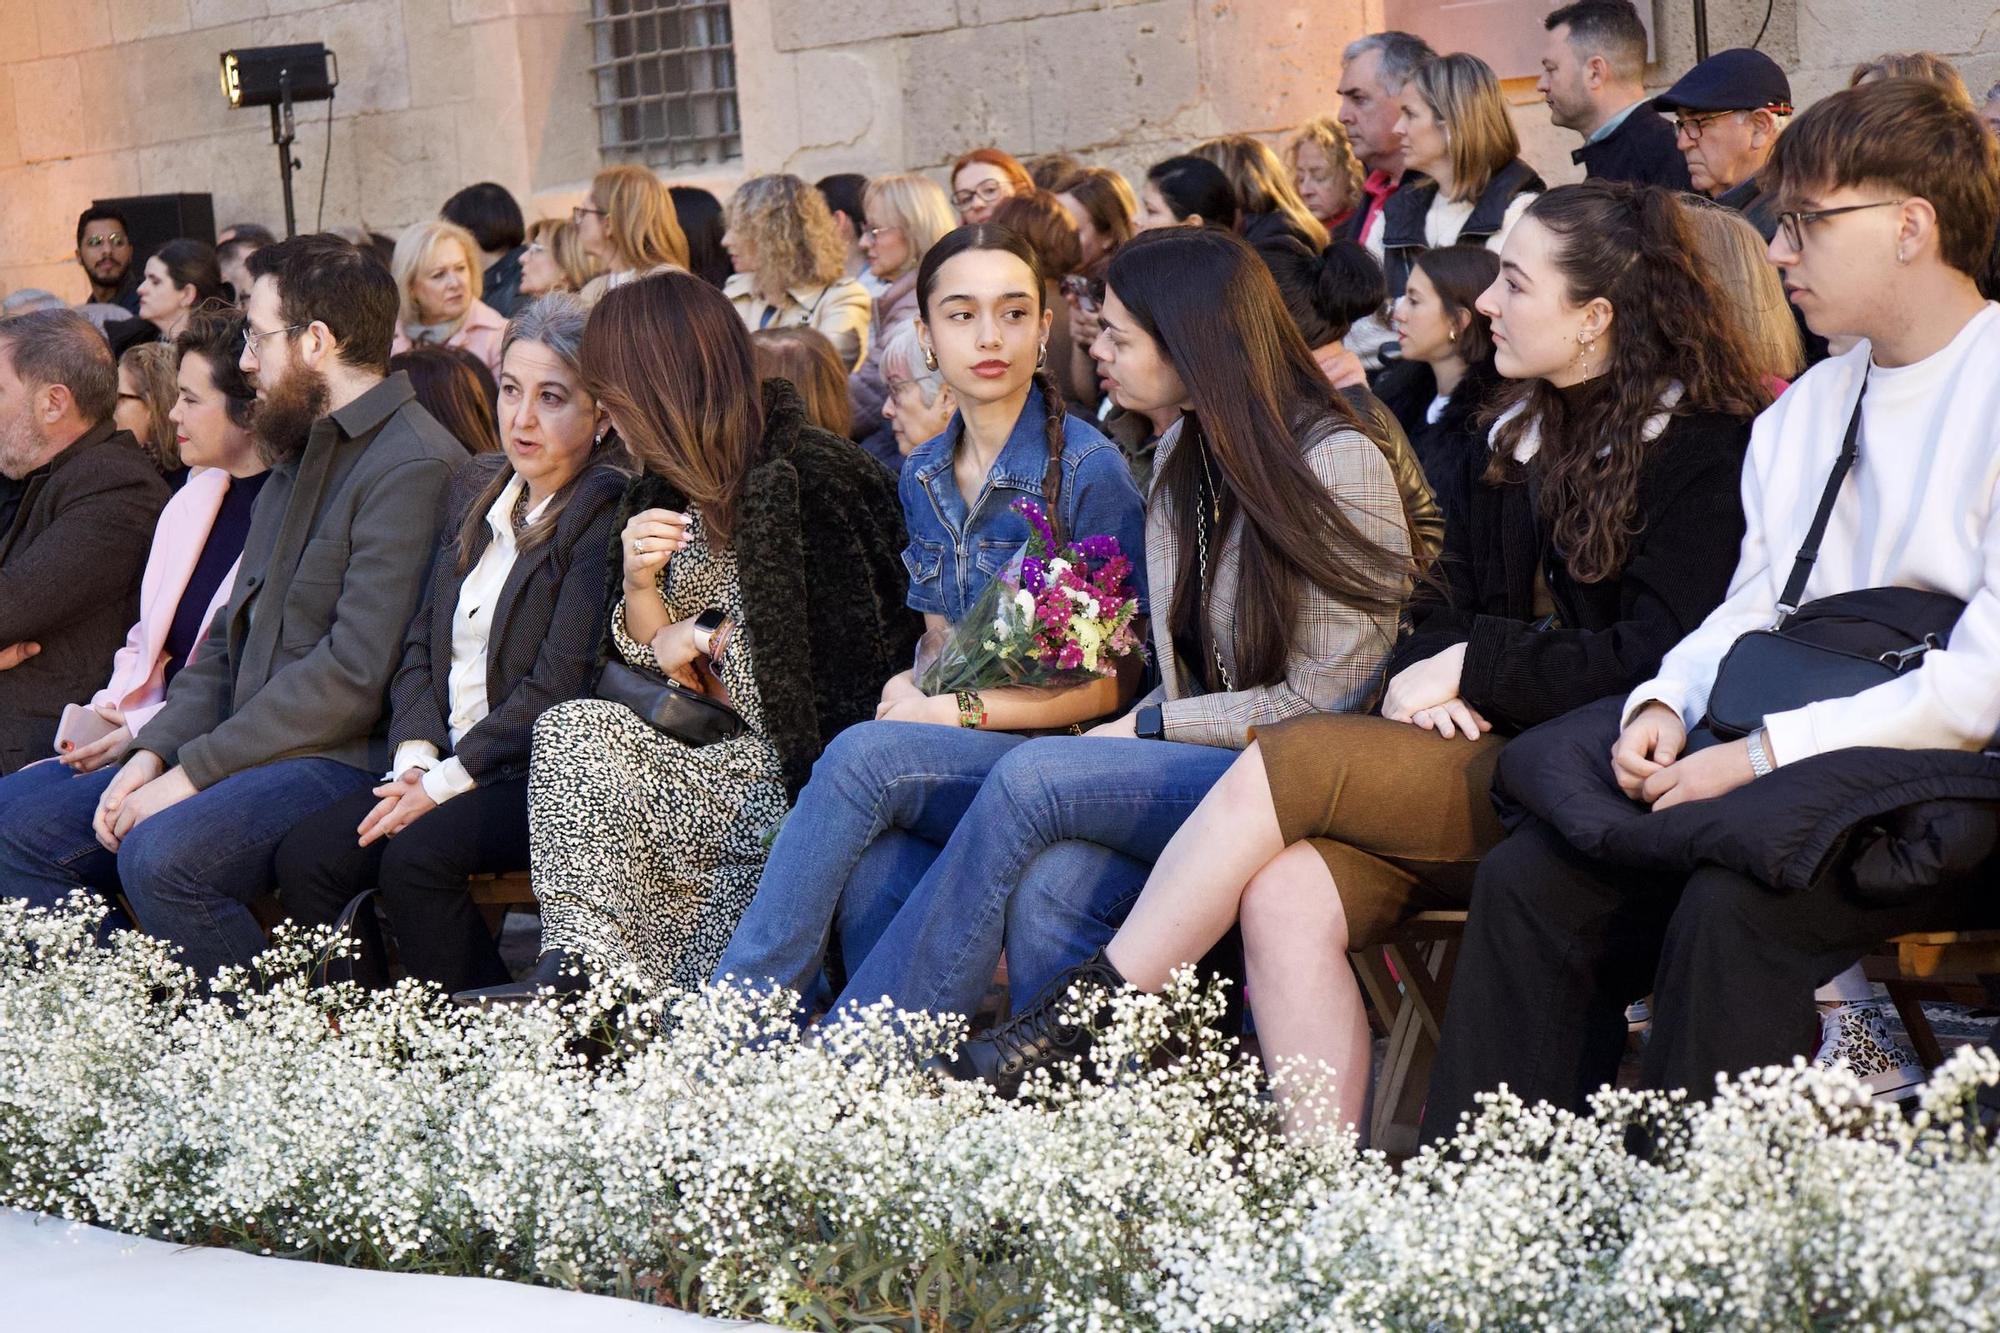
[885, 796]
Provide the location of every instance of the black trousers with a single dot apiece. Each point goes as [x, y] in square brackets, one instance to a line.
[440, 934]
[1557, 946]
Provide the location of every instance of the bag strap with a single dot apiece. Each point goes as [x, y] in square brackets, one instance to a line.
[1802, 564]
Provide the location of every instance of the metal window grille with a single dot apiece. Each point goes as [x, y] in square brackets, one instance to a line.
[666, 81]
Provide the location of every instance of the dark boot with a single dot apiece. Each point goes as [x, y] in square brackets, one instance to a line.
[1042, 1034]
[555, 973]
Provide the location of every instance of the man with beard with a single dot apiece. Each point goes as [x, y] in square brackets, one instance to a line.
[78, 500]
[280, 714]
[104, 252]
[1593, 71]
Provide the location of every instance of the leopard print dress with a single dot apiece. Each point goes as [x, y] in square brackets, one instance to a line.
[647, 851]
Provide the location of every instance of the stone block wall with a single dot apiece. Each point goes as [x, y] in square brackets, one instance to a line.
[116, 97]
[101, 97]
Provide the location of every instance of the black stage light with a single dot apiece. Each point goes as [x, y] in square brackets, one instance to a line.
[264, 75]
[277, 77]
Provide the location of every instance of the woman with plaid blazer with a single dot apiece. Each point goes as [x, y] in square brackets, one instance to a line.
[1278, 555]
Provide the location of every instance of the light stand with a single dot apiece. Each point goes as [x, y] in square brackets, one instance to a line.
[282, 134]
[278, 76]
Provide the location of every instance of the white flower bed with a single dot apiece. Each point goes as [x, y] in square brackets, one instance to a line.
[714, 1162]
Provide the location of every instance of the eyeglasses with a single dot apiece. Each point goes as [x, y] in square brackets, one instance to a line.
[109, 238]
[1794, 223]
[1692, 126]
[877, 233]
[251, 340]
[985, 192]
[581, 211]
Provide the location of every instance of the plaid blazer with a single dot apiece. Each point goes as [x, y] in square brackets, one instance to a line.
[1337, 652]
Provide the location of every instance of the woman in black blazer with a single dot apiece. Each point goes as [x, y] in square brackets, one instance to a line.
[509, 626]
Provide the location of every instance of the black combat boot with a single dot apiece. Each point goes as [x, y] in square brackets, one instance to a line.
[1042, 1034]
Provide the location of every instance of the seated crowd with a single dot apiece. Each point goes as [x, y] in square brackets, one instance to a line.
[617, 547]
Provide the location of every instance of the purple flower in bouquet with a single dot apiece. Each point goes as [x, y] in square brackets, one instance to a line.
[1061, 615]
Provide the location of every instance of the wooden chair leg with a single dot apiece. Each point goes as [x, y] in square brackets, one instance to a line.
[1910, 1008]
[1405, 1081]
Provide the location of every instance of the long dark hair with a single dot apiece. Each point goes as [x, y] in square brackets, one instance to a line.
[1459, 273]
[1633, 246]
[669, 358]
[700, 216]
[1215, 311]
[450, 389]
[192, 264]
[989, 236]
[1195, 187]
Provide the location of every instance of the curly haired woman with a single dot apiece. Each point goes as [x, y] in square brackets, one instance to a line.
[791, 264]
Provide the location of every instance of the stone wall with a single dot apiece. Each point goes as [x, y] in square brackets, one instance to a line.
[107, 97]
[115, 97]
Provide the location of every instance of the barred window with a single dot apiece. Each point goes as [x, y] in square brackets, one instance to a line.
[666, 82]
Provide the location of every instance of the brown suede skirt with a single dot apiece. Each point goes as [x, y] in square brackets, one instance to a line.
[1400, 814]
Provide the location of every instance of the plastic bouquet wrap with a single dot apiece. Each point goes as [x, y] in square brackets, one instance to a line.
[1057, 615]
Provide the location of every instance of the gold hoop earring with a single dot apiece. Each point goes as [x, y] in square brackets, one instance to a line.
[1042, 357]
[930, 359]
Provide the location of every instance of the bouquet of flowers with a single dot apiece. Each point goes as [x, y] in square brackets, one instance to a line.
[1057, 615]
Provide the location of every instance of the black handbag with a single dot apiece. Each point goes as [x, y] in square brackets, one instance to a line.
[690, 717]
[1832, 647]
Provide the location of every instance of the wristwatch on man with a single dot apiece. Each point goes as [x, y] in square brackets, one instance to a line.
[1147, 725]
[705, 626]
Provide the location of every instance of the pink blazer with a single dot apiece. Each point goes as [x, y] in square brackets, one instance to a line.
[480, 335]
[139, 672]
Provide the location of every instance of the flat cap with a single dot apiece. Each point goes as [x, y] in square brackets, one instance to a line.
[1735, 80]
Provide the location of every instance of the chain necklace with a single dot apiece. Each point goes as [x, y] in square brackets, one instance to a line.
[1208, 511]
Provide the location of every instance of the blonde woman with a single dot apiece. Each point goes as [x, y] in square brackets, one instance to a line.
[791, 265]
[147, 392]
[554, 260]
[1265, 196]
[1325, 170]
[1735, 255]
[436, 267]
[903, 216]
[1456, 131]
[628, 227]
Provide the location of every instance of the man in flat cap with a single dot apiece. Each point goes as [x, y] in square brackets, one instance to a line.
[1728, 112]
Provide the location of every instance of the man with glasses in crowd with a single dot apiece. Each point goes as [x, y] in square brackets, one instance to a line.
[1728, 112]
[104, 252]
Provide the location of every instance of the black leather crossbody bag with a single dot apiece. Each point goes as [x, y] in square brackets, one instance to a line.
[669, 707]
[1832, 647]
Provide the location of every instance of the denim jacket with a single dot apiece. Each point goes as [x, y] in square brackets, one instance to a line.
[954, 552]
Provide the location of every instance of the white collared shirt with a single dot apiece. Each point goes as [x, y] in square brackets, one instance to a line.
[471, 630]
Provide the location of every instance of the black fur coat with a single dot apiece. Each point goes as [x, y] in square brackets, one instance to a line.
[820, 554]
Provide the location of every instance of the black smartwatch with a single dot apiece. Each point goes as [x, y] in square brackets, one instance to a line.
[1146, 725]
[705, 626]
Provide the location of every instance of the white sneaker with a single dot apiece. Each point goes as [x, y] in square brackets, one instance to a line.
[1852, 1036]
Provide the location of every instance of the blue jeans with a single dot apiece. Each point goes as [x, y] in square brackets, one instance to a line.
[189, 870]
[883, 800]
[1120, 799]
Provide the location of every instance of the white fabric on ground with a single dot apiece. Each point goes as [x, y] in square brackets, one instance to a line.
[83, 1279]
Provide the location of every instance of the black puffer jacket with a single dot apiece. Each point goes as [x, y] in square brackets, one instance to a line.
[1891, 822]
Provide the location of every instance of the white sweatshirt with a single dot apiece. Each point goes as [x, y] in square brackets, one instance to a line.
[1919, 510]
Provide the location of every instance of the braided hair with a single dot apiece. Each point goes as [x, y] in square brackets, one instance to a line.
[989, 236]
